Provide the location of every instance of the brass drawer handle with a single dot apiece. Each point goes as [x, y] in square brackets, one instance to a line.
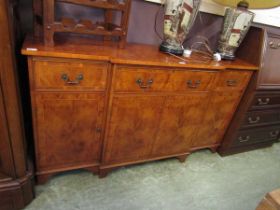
[231, 83]
[241, 139]
[256, 120]
[274, 133]
[144, 85]
[67, 80]
[261, 102]
[193, 84]
[274, 45]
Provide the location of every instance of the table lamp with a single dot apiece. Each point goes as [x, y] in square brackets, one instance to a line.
[178, 18]
[237, 22]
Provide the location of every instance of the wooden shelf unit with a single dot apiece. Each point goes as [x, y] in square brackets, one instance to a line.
[45, 23]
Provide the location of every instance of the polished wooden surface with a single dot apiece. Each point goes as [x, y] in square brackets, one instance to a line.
[55, 145]
[68, 114]
[155, 105]
[220, 109]
[49, 75]
[75, 47]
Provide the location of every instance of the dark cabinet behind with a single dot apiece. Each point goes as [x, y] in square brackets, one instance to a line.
[257, 121]
[15, 173]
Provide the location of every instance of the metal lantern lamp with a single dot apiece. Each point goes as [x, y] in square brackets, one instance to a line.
[237, 22]
[178, 19]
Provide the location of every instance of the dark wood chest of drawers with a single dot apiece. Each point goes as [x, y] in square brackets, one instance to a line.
[257, 121]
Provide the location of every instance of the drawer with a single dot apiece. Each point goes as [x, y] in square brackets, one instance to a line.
[265, 100]
[191, 80]
[232, 80]
[69, 75]
[133, 79]
[256, 135]
[257, 118]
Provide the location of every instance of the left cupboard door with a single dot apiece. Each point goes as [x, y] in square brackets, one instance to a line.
[68, 129]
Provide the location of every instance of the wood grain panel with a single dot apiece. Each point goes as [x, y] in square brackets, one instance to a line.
[48, 75]
[126, 79]
[179, 122]
[68, 129]
[132, 127]
[190, 80]
[232, 80]
[219, 111]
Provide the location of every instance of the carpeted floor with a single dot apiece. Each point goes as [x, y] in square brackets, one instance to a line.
[205, 181]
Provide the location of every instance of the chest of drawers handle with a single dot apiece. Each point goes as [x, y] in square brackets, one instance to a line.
[274, 133]
[231, 82]
[256, 120]
[261, 102]
[144, 85]
[274, 46]
[241, 139]
[193, 84]
[67, 80]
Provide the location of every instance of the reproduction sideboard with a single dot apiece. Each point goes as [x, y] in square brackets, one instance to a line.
[101, 107]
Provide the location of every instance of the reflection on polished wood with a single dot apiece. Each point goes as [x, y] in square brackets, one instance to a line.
[153, 105]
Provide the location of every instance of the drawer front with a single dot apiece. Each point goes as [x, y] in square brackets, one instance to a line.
[133, 79]
[190, 80]
[70, 75]
[256, 135]
[261, 118]
[232, 80]
[266, 101]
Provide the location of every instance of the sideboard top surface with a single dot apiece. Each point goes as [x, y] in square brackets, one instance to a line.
[138, 54]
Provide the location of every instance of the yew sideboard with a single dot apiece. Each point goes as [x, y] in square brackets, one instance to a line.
[101, 107]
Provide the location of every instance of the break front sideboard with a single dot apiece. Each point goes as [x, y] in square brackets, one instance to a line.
[101, 107]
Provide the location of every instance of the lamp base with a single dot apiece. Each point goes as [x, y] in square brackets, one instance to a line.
[227, 56]
[167, 48]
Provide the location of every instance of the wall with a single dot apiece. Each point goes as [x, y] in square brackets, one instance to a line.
[141, 22]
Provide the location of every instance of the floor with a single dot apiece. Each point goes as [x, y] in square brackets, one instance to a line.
[205, 181]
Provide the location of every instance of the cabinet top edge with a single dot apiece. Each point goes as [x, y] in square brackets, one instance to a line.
[132, 54]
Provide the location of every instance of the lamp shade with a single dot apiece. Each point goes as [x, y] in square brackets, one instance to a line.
[253, 4]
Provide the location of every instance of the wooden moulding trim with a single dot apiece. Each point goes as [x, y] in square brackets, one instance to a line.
[137, 62]
[42, 172]
[16, 183]
[113, 165]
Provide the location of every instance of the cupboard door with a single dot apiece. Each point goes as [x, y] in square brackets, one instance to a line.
[68, 128]
[132, 127]
[218, 114]
[179, 122]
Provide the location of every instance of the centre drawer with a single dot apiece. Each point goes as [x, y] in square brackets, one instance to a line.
[56, 74]
[134, 79]
[256, 135]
